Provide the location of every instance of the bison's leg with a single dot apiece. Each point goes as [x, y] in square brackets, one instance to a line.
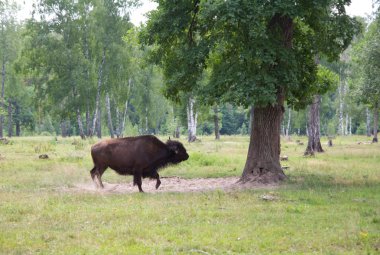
[156, 176]
[137, 180]
[94, 175]
[97, 172]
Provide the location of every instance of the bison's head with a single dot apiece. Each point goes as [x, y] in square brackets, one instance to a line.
[179, 152]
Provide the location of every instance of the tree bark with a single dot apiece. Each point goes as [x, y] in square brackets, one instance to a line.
[314, 141]
[10, 119]
[263, 159]
[88, 121]
[375, 122]
[368, 122]
[216, 123]
[99, 123]
[80, 125]
[109, 118]
[124, 119]
[2, 95]
[97, 103]
[122, 124]
[118, 122]
[191, 121]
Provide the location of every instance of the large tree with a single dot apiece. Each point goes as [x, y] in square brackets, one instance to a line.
[258, 52]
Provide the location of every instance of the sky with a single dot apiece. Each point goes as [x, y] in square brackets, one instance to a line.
[357, 8]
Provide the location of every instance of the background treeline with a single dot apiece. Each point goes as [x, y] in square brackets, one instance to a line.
[77, 68]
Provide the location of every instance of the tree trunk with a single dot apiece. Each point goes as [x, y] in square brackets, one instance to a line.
[97, 103]
[263, 159]
[117, 129]
[99, 124]
[88, 121]
[17, 121]
[314, 141]
[288, 125]
[146, 120]
[216, 123]
[109, 118]
[80, 125]
[10, 119]
[191, 121]
[375, 122]
[124, 119]
[2, 96]
[368, 122]
[122, 125]
[341, 106]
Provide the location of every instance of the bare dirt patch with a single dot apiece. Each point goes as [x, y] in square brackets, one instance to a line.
[169, 184]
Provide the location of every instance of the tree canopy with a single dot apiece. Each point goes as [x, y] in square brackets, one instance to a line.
[240, 42]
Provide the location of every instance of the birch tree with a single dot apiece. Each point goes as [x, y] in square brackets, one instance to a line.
[325, 81]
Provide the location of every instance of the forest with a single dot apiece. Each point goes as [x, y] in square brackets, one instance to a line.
[78, 68]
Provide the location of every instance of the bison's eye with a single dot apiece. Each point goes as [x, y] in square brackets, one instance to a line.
[176, 151]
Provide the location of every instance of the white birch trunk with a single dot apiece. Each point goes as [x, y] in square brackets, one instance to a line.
[368, 121]
[126, 109]
[10, 119]
[80, 125]
[146, 120]
[341, 127]
[117, 129]
[346, 125]
[109, 117]
[100, 77]
[191, 120]
[2, 95]
[375, 122]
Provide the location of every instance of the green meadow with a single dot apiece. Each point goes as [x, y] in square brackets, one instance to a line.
[330, 203]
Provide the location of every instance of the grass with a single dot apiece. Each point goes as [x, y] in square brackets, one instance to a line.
[330, 204]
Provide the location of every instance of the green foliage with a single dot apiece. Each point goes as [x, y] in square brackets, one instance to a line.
[233, 119]
[242, 46]
[365, 73]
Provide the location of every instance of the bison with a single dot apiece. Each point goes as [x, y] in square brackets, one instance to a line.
[140, 156]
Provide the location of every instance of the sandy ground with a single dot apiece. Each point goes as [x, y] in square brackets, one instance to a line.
[168, 184]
